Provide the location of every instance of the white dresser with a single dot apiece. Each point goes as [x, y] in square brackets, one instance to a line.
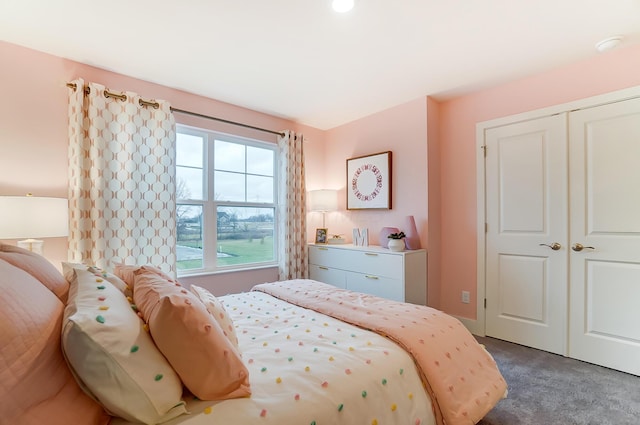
[400, 276]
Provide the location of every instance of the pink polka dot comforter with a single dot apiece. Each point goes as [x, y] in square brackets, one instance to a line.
[309, 368]
[461, 377]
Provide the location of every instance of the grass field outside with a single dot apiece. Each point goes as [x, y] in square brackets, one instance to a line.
[234, 252]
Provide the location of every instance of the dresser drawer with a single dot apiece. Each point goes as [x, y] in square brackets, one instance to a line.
[375, 263]
[371, 262]
[380, 286]
[329, 275]
[324, 256]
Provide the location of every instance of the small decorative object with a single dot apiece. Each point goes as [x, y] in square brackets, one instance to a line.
[384, 235]
[396, 243]
[321, 236]
[412, 240]
[361, 237]
[336, 239]
[369, 182]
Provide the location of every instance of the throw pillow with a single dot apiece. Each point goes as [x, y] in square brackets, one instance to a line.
[193, 342]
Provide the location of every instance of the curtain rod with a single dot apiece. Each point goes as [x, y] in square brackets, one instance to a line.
[195, 114]
[155, 105]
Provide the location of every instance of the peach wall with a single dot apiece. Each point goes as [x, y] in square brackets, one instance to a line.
[458, 118]
[401, 130]
[33, 134]
[433, 145]
[434, 192]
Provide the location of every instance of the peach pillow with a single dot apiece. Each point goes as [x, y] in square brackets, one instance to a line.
[215, 307]
[127, 273]
[37, 266]
[36, 386]
[112, 355]
[191, 340]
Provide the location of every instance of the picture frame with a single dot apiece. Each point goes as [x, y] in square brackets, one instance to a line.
[369, 182]
[321, 236]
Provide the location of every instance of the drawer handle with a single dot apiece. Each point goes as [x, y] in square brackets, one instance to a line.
[323, 249]
[323, 268]
[371, 277]
[372, 254]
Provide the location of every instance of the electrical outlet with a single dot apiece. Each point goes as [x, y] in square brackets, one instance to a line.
[466, 297]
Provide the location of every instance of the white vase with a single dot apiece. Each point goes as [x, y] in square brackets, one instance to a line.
[384, 235]
[396, 245]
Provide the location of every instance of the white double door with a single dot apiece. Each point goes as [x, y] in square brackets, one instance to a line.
[563, 234]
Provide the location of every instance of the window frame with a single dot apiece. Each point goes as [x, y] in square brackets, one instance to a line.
[210, 205]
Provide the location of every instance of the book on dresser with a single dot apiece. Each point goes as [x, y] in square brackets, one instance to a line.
[399, 276]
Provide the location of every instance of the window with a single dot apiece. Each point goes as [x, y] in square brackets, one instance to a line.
[226, 190]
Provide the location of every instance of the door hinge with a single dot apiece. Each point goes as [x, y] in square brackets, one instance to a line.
[486, 227]
[485, 303]
[484, 148]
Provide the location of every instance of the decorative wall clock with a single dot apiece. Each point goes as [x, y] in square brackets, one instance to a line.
[369, 182]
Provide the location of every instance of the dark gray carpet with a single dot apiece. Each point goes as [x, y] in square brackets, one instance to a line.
[547, 389]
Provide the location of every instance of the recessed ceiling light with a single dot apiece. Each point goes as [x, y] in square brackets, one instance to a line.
[608, 43]
[342, 6]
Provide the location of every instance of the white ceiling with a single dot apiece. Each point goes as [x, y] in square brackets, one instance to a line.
[298, 59]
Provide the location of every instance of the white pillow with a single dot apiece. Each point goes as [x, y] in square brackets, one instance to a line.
[216, 309]
[113, 356]
[68, 270]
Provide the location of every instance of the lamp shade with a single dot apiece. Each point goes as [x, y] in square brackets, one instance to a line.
[323, 200]
[33, 217]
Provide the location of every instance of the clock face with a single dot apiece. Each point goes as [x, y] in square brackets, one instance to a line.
[366, 182]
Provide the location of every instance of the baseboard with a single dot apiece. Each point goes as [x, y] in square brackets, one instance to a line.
[472, 325]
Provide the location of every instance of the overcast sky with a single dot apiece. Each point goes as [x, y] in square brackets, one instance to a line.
[232, 161]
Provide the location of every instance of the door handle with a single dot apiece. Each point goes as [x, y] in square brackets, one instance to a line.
[555, 246]
[577, 247]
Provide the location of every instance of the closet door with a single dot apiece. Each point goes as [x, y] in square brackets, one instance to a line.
[605, 221]
[526, 240]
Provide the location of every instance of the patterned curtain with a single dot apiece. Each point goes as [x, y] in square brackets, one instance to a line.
[121, 180]
[292, 226]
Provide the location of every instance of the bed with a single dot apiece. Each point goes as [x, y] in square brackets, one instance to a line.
[292, 352]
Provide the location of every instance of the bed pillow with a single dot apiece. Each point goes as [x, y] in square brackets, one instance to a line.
[113, 356]
[193, 342]
[36, 386]
[37, 266]
[68, 272]
[127, 273]
[215, 307]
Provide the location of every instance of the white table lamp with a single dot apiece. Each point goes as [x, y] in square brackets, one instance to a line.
[33, 217]
[323, 200]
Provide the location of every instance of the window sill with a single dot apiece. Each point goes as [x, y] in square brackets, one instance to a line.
[197, 273]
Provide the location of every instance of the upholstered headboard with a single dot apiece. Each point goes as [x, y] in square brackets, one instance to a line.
[36, 386]
[77, 350]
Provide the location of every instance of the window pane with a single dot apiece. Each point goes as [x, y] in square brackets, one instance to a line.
[245, 235]
[189, 243]
[229, 156]
[216, 171]
[229, 186]
[259, 161]
[189, 150]
[189, 183]
[259, 189]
